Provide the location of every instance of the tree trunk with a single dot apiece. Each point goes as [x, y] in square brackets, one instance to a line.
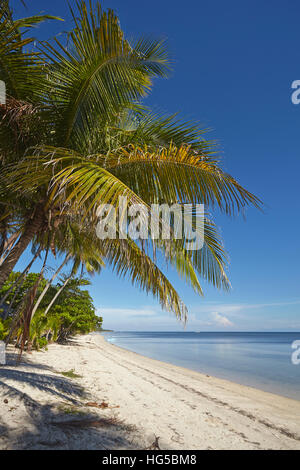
[49, 284]
[8, 245]
[20, 278]
[28, 306]
[32, 227]
[57, 294]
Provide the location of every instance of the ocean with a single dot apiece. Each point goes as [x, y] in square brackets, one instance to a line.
[260, 360]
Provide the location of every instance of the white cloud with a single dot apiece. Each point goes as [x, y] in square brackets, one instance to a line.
[207, 316]
[221, 320]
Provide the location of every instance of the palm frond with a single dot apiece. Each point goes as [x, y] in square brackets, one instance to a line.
[178, 174]
[159, 130]
[98, 71]
[19, 69]
[128, 260]
[81, 185]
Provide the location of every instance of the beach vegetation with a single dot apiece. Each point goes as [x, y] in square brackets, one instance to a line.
[4, 329]
[72, 312]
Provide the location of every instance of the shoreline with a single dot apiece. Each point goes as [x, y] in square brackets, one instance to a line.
[204, 374]
[123, 400]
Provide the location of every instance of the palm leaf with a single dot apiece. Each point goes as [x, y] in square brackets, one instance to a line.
[98, 72]
[178, 174]
[128, 260]
[19, 69]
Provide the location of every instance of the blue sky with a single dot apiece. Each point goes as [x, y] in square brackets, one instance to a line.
[234, 63]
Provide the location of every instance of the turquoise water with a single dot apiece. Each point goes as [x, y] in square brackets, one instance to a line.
[260, 360]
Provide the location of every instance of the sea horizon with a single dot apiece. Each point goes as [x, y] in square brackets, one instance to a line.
[203, 331]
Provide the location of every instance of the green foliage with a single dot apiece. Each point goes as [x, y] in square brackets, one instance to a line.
[4, 329]
[16, 288]
[72, 313]
[76, 312]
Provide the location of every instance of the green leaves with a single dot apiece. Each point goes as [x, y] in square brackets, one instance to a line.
[98, 73]
[80, 185]
[179, 174]
[20, 70]
[128, 260]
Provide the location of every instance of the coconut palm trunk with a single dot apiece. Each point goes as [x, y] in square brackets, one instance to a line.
[8, 245]
[20, 279]
[32, 227]
[28, 307]
[42, 295]
[57, 294]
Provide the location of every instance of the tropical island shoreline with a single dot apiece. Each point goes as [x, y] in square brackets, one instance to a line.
[90, 394]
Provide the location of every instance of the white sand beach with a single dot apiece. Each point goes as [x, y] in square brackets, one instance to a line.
[123, 400]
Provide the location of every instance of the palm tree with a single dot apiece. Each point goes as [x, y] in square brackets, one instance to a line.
[80, 137]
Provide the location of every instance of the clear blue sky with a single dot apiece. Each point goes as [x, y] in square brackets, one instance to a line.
[234, 63]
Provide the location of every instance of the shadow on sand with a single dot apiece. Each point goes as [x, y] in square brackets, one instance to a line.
[62, 421]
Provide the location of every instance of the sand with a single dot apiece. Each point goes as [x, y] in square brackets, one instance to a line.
[123, 400]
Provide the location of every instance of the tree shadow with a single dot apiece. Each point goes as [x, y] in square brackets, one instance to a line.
[51, 384]
[55, 418]
[12, 360]
[46, 428]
